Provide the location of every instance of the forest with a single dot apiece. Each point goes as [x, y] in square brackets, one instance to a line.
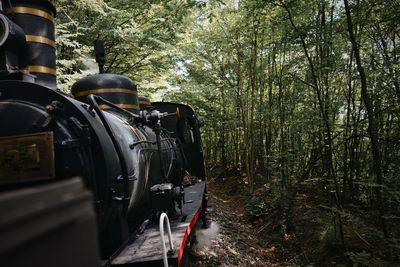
[301, 104]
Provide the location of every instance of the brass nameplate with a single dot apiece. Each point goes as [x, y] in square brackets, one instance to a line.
[26, 158]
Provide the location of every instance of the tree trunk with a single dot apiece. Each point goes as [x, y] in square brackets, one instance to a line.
[372, 129]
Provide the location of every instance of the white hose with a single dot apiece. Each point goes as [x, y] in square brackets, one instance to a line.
[164, 217]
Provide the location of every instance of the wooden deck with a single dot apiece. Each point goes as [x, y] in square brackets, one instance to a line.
[146, 250]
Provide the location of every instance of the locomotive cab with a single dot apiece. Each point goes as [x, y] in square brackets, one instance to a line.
[186, 129]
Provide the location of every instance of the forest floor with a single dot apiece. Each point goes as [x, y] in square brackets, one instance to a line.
[231, 240]
[256, 229]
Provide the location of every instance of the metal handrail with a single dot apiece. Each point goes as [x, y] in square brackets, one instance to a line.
[122, 161]
[164, 218]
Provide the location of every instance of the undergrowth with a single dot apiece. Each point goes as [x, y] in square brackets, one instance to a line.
[305, 224]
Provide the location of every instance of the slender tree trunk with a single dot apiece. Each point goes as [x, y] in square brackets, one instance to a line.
[372, 129]
[347, 189]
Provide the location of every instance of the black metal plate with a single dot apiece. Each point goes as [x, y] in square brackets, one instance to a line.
[26, 158]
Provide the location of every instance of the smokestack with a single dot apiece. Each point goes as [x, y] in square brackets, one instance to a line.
[36, 18]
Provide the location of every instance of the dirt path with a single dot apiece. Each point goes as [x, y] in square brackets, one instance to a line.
[230, 239]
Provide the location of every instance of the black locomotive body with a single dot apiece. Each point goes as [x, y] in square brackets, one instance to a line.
[133, 166]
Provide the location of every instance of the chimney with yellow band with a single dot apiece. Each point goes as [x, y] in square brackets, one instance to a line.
[36, 18]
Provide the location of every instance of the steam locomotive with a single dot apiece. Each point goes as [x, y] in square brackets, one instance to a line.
[137, 161]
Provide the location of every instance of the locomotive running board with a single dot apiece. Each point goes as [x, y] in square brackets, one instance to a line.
[145, 249]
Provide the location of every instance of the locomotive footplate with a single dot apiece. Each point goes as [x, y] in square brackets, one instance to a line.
[145, 249]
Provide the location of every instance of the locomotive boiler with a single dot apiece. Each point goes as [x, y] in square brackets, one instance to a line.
[138, 160]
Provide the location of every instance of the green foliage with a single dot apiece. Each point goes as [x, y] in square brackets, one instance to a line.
[256, 207]
[139, 39]
[360, 259]
[278, 85]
